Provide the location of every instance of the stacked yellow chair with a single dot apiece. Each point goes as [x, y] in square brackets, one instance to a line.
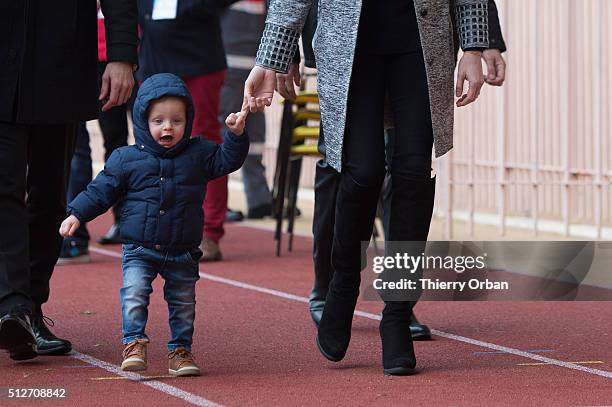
[298, 139]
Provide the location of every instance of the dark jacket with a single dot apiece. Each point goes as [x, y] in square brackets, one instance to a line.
[162, 189]
[49, 60]
[307, 36]
[496, 38]
[189, 45]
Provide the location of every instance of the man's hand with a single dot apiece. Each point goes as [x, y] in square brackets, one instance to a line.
[259, 89]
[470, 69]
[284, 82]
[496, 67]
[69, 226]
[117, 84]
[236, 121]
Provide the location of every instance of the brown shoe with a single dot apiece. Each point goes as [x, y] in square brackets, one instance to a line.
[210, 250]
[135, 356]
[181, 363]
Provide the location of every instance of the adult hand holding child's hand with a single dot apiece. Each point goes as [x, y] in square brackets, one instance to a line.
[236, 121]
[69, 226]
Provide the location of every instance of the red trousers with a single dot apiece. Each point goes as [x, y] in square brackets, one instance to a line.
[205, 91]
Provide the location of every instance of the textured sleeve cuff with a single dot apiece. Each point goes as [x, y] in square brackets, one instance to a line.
[473, 23]
[277, 47]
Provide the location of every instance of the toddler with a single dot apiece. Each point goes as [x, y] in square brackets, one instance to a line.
[162, 182]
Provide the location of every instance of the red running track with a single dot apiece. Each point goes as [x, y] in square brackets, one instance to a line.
[256, 346]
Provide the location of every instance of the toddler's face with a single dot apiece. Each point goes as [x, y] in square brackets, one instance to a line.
[167, 120]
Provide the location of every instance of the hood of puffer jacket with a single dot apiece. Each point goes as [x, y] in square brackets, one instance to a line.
[155, 87]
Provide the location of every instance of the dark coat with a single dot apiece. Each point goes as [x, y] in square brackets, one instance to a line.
[496, 38]
[162, 189]
[189, 45]
[49, 57]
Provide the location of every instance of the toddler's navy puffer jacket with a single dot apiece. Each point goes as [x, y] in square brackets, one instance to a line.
[162, 189]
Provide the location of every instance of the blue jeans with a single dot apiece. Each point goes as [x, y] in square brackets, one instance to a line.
[140, 266]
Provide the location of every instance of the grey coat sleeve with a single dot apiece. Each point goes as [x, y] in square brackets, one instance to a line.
[279, 42]
[472, 23]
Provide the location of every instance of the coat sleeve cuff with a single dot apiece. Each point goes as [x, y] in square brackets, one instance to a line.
[473, 23]
[236, 139]
[123, 53]
[277, 48]
[73, 211]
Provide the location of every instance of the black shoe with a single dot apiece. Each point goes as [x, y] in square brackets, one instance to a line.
[410, 206]
[400, 371]
[113, 236]
[16, 336]
[398, 350]
[233, 216]
[48, 343]
[316, 300]
[355, 210]
[334, 329]
[420, 332]
[72, 253]
[316, 311]
[327, 181]
[333, 357]
[260, 212]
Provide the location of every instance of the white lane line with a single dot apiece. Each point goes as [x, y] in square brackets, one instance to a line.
[163, 387]
[488, 345]
[105, 252]
[528, 355]
[459, 338]
[252, 287]
[157, 385]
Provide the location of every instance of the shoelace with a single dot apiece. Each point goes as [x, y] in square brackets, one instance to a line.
[184, 355]
[129, 350]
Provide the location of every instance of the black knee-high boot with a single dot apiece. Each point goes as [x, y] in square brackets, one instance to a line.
[412, 204]
[355, 211]
[327, 182]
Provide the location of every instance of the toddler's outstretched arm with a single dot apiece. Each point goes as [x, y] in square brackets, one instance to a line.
[226, 158]
[101, 193]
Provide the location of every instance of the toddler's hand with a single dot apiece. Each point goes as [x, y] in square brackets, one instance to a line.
[237, 121]
[69, 226]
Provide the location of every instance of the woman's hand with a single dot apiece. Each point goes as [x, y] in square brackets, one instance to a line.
[284, 82]
[69, 226]
[470, 69]
[236, 121]
[496, 67]
[259, 89]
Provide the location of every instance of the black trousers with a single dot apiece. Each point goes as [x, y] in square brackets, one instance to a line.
[114, 126]
[402, 78]
[34, 167]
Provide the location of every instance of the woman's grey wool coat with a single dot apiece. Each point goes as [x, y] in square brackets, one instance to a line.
[334, 46]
